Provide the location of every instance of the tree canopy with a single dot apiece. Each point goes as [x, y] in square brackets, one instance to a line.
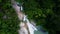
[43, 12]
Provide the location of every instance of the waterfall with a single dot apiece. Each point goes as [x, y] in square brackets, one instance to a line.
[26, 27]
[29, 25]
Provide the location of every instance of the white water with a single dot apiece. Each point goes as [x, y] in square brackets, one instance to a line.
[25, 23]
[29, 25]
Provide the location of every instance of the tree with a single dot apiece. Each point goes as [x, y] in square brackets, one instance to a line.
[43, 12]
[8, 20]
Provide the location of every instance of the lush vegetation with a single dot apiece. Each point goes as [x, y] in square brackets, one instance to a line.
[43, 12]
[8, 18]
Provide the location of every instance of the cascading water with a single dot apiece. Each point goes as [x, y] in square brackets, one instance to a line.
[25, 26]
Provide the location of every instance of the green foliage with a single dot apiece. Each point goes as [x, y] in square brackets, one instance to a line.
[8, 19]
[0, 0]
[43, 12]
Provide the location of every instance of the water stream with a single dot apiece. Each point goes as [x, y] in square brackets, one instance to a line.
[25, 26]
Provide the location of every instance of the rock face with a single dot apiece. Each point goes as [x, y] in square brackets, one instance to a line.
[25, 26]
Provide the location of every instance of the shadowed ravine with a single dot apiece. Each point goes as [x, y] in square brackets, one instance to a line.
[25, 26]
